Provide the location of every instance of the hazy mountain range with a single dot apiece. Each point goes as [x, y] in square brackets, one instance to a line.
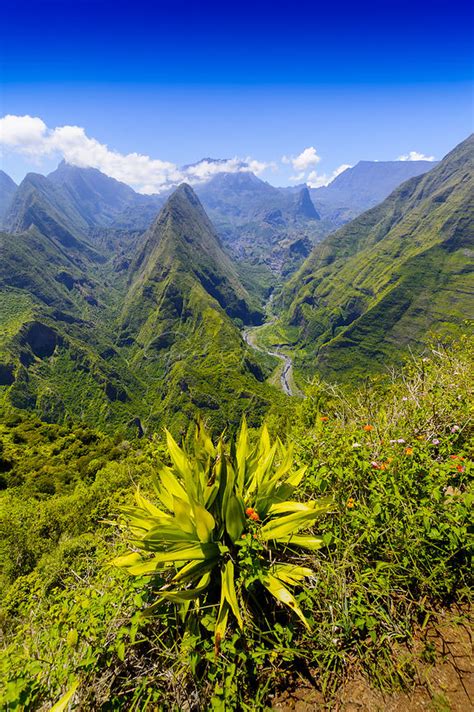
[126, 309]
[257, 222]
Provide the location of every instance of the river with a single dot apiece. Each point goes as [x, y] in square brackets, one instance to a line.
[286, 375]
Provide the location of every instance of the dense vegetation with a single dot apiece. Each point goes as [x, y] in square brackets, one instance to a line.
[376, 287]
[129, 329]
[254, 554]
[393, 459]
[135, 347]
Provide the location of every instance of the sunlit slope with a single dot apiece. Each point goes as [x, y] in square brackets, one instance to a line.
[386, 280]
[182, 316]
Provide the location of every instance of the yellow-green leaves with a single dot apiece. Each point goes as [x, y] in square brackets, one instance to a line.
[204, 521]
[66, 698]
[187, 594]
[312, 543]
[128, 560]
[242, 453]
[182, 465]
[290, 573]
[168, 487]
[234, 517]
[228, 588]
[289, 524]
[222, 524]
[228, 602]
[275, 586]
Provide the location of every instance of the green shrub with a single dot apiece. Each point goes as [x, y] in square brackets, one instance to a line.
[224, 528]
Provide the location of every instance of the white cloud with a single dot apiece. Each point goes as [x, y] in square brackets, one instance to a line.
[27, 131]
[306, 160]
[316, 180]
[206, 169]
[30, 136]
[258, 167]
[299, 178]
[415, 156]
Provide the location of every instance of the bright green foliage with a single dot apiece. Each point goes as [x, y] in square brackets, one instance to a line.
[384, 281]
[396, 555]
[81, 341]
[210, 501]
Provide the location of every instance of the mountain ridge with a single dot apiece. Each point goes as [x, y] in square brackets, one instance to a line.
[353, 298]
[7, 191]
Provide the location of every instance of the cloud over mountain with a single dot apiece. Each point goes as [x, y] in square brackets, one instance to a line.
[415, 156]
[30, 136]
[304, 161]
[316, 180]
[303, 165]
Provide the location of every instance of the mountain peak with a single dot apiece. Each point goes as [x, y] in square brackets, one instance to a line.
[182, 221]
[186, 193]
[180, 228]
[304, 205]
[183, 245]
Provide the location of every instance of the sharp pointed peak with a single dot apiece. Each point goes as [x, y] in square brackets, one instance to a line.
[304, 204]
[183, 194]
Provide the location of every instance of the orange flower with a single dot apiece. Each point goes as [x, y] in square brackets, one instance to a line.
[383, 466]
[408, 451]
[249, 511]
[254, 516]
[368, 428]
[350, 503]
[324, 418]
[460, 468]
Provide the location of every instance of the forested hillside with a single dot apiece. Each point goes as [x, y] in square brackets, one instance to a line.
[393, 554]
[376, 288]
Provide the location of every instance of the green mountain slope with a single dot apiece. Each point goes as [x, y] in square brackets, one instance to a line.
[40, 203]
[377, 286]
[56, 336]
[177, 318]
[81, 205]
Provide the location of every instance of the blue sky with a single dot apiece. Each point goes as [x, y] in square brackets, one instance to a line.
[177, 81]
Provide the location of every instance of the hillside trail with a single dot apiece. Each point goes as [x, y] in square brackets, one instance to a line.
[286, 377]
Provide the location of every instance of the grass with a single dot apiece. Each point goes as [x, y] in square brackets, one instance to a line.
[15, 309]
[397, 459]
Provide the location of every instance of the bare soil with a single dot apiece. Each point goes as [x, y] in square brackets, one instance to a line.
[443, 680]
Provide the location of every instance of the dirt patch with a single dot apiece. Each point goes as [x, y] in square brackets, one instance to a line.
[443, 680]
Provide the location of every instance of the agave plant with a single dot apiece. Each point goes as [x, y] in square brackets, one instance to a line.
[211, 503]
